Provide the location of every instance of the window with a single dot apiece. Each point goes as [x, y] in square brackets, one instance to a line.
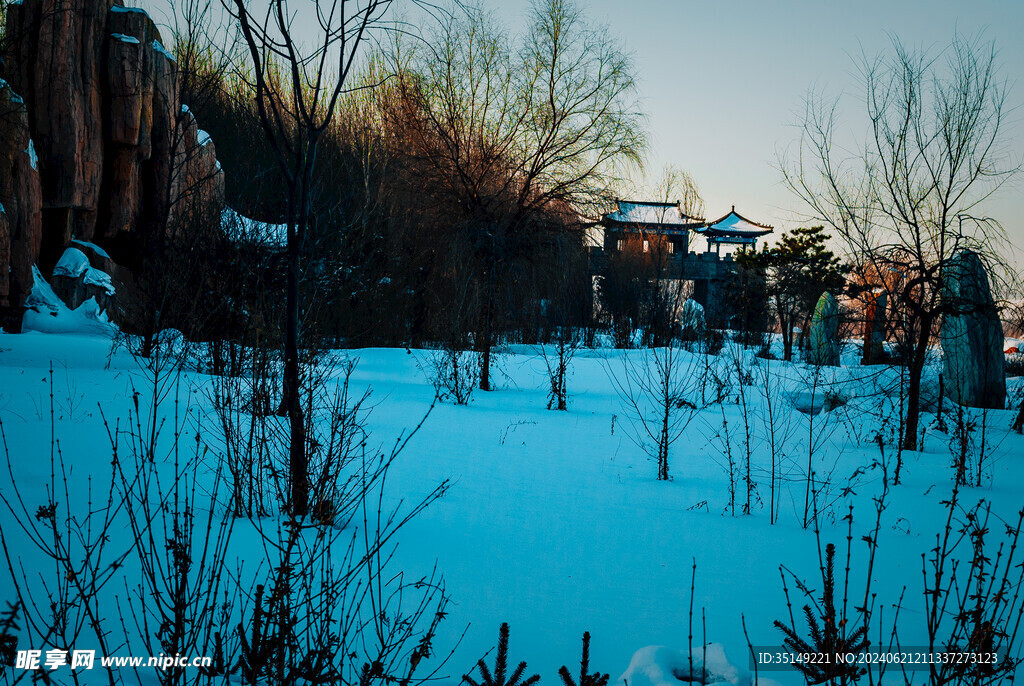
[647, 246]
[671, 247]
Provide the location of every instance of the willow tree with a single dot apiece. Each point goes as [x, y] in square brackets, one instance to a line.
[907, 199]
[522, 138]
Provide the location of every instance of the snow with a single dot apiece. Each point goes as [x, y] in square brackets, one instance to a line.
[98, 277]
[72, 263]
[649, 213]
[119, 8]
[75, 264]
[245, 228]
[163, 51]
[14, 96]
[33, 159]
[47, 313]
[734, 223]
[125, 39]
[661, 666]
[99, 251]
[555, 522]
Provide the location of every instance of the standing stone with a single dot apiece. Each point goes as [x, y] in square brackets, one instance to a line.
[823, 350]
[691, 320]
[972, 336]
[874, 327]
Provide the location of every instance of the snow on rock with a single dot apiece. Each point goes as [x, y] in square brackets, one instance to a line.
[157, 47]
[125, 39]
[32, 157]
[99, 251]
[72, 263]
[813, 402]
[692, 316]
[47, 313]
[75, 264]
[100, 279]
[662, 666]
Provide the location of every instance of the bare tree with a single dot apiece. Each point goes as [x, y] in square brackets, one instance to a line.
[297, 86]
[676, 185]
[656, 387]
[904, 203]
[522, 140]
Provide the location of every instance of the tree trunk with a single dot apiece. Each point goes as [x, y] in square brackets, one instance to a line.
[484, 346]
[297, 448]
[786, 325]
[915, 370]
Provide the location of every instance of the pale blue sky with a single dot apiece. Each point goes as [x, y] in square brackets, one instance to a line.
[724, 81]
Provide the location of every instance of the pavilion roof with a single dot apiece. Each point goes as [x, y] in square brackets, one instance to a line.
[651, 215]
[735, 225]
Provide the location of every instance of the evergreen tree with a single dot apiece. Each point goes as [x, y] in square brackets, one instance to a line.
[497, 676]
[797, 269]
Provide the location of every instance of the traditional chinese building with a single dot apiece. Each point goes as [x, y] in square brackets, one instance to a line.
[643, 226]
[662, 232]
[732, 229]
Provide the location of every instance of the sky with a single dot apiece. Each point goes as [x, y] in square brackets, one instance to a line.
[724, 82]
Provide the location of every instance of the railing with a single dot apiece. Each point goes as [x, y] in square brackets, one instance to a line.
[689, 266]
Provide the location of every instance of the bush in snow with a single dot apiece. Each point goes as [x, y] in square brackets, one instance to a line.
[454, 373]
[567, 340]
[974, 595]
[655, 387]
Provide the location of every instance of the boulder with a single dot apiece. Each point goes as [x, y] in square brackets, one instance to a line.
[972, 336]
[75, 281]
[691, 320]
[823, 343]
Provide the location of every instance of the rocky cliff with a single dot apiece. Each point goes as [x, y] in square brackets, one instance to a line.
[94, 143]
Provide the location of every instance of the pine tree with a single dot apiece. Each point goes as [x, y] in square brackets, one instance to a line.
[797, 269]
[496, 677]
[828, 635]
[586, 679]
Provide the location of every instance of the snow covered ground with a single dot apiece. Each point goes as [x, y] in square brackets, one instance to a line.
[555, 522]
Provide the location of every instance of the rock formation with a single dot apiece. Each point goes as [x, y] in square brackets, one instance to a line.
[972, 336]
[119, 159]
[20, 205]
[823, 345]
